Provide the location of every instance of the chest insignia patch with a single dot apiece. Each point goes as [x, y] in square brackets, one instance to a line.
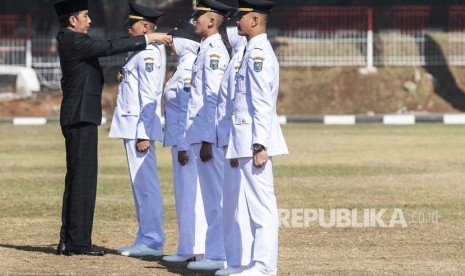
[258, 64]
[149, 67]
[214, 62]
[187, 85]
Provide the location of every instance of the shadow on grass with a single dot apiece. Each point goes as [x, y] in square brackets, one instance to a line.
[176, 268]
[179, 268]
[48, 249]
[446, 86]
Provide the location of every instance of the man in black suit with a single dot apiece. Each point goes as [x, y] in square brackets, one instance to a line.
[81, 113]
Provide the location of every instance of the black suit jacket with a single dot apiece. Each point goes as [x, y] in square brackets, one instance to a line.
[82, 80]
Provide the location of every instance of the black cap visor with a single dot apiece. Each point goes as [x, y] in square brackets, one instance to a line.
[185, 29]
[129, 22]
[183, 34]
[197, 13]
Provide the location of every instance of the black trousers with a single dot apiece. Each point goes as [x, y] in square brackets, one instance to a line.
[80, 184]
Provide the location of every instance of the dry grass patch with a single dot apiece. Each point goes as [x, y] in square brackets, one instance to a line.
[418, 169]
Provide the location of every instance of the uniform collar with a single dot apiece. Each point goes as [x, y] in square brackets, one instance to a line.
[255, 40]
[210, 39]
[152, 46]
[239, 47]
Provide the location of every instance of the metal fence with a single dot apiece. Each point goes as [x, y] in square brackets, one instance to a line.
[456, 36]
[321, 36]
[339, 36]
[15, 42]
[301, 36]
[45, 62]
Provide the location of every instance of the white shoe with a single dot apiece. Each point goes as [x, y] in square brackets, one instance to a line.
[140, 250]
[182, 258]
[125, 248]
[230, 270]
[207, 264]
[253, 271]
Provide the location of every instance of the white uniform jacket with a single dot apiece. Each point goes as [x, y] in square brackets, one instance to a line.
[139, 94]
[254, 118]
[163, 77]
[225, 97]
[176, 96]
[208, 70]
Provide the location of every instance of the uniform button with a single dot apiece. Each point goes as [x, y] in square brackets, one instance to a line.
[129, 111]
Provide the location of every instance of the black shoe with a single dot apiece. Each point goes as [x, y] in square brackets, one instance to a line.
[60, 248]
[82, 250]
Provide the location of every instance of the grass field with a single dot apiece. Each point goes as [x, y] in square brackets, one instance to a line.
[417, 170]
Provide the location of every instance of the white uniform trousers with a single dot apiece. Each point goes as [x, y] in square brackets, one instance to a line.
[262, 211]
[211, 187]
[192, 225]
[147, 196]
[238, 238]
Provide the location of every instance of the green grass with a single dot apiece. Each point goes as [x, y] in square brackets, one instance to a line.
[419, 169]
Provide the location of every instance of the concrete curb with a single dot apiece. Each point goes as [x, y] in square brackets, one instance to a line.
[34, 121]
[449, 119]
[407, 119]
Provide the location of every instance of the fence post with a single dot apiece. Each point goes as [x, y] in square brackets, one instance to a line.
[370, 67]
[29, 42]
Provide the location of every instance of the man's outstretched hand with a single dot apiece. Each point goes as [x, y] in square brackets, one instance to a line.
[159, 38]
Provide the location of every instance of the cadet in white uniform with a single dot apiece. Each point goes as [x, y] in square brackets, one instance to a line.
[208, 71]
[136, 121]
[256, 136]
[228, 83]
[237, 255]
[192, 224]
